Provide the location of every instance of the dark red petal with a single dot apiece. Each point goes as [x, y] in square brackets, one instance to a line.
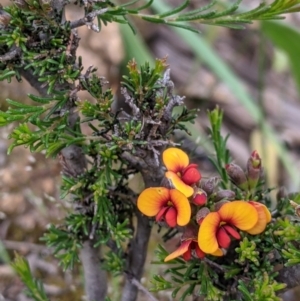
[191, 175]
[189, 167]
[161, 213]
[171, 217]
[187, 255]
[223, 238]
[200, 198]
[199, 252]
[231, 231]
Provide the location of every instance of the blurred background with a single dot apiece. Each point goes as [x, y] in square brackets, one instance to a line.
[252, 74]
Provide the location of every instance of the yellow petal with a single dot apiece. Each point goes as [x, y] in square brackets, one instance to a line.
[175, 159]
[219, 252]
[182, 205]
[179, 184]
[152, 199]
[240, 214]
[207, 239]
[267, 212]
[180, 251]
[264, 217]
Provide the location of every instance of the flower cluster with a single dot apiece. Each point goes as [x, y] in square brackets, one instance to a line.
[216, 228]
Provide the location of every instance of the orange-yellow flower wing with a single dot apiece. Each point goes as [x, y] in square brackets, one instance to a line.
[240, 214]
[180, 251]
[182, 205]
[264, 217]
[207, 239]
[218, 253]
[179, 184]
[152, 199]
[175, 159]
[267, 212]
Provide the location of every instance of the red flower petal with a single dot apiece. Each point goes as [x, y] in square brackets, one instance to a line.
[199, 252]
[200, 198]
[171, 217]
[231, 231]
[187, 255]
[191, 175]
[223, 238]
[161, 213]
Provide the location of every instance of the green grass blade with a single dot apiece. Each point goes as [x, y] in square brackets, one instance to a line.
[287, 39]
[135, 47]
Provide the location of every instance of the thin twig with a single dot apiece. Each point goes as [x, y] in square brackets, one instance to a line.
[131, 102]
[12, 54]
[140, 287]
[88, 19]
[134, 161]
[213, 264]
[22, 245]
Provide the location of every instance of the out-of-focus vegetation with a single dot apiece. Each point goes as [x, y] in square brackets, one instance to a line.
[252, 73]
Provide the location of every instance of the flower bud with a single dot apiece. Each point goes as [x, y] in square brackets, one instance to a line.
[199, 197]
[210, 185]
[237, 175]
[224, 194]
[191, 175]
[201, 214]
[254, 169]
[219, 204]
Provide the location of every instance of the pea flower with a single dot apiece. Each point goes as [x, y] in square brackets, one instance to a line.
[169, 205]
[187, 249]
[182, 174]
[189, 246]
[217, 228]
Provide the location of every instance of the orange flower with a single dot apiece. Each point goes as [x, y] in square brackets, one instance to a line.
[187, 248]
[217, 228]
[180, 172]
[168, 205]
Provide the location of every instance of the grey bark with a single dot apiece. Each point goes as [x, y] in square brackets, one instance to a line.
[95, 279]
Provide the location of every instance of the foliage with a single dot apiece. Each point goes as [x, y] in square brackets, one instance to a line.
[222, 154]
[37, 45]
[35, 288]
